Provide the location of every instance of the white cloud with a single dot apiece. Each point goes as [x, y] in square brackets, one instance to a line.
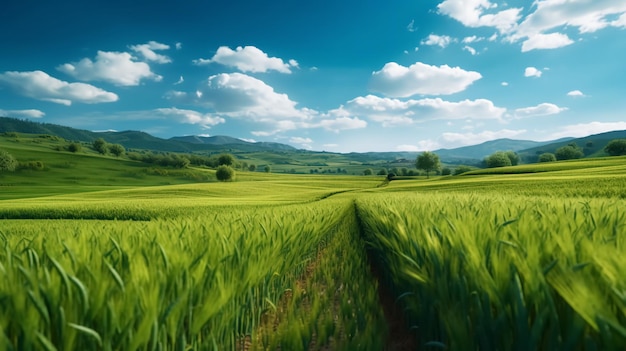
[462, 139]
[472, 39]
[439, 40]
[41, 86]
[505, 84]
[300, 140]
[411, 26]
[390, 112]
[190, 117]
[342, 123]
[148, 51]
[544, 109]
[546, 41]
[180, 80]
[242, 96]
[31, 113]
[576, 93]
[532, 72]
[470, 49]
[584, 129]
[179, 46]
[248, 59]
[395, 80]
[472, 14]
[540, 28]
[118, 68]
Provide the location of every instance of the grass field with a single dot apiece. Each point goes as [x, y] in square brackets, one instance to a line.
[531, 258]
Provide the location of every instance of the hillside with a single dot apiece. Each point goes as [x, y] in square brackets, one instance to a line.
[592, 145]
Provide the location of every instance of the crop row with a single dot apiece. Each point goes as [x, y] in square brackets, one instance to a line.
[206, 281]
[478, 272]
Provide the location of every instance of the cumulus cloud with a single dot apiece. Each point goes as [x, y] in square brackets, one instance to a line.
[584, 129]
[395, 80]
[148, 51]
[542, 27]
[505, 84]
[303, 142]
[119, 68]
[390, 112]
[544, 109]
[242, 96]
[532, 72]
[576, 93]
[463, 139]
[248, 59]
[546, 41]
[30, 113]
[472, 39]
[41, 86]
[438, 40]
[206, 120]
[472, 14]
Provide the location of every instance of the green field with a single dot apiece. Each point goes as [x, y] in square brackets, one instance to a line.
[100, 253]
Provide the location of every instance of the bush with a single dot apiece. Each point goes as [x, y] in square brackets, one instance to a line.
[100, 146]
[616, 147]
[498, 159]
[368, 172]
[569, 152]
[117, 149]
[7, 162]
[226, 159]
[446, 171]
[74, 147]
[31, 165]
[224, 173]
[547, 157]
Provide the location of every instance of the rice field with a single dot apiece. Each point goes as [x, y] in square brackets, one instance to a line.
[483, 262]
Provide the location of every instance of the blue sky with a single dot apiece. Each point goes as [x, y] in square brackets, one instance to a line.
[322, 75]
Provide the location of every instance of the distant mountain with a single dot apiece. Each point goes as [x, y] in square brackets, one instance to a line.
[592, 145]
[142, 140]
[223, 140]
[469, 154]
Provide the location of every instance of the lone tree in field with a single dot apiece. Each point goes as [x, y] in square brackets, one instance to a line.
[616, 147]
[224, 173]
[74, 147]
[569, 152]
[7, 162]
[428, 161]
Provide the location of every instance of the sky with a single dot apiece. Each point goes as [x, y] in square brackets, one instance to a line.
[324, 75]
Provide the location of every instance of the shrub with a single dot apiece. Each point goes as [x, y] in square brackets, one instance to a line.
[74, 147]
[116, 149]
[569, 152]
[547, 157]
[224, 173]
[100, 146]
[462, 169]
[7, 162]
[31, 165]
[226, 159]
[616, 147]
[498, 159]
[368, 171]
[446, 171]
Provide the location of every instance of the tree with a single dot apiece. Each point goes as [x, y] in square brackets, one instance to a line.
[7, 162]
[382, 172]
[498, 159]
[100, 146]
[252, 168]
[74, 147]
[462, 169]
[268, 169]
[117, 149]
[224, 173]
[427, 161]
[512, 155]
[547, 157]
[616, 147]
[368, 172]
[569, 152]
[446, 171]
[226, 159]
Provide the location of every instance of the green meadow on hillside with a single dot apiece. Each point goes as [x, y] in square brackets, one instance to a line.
[100, 253]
